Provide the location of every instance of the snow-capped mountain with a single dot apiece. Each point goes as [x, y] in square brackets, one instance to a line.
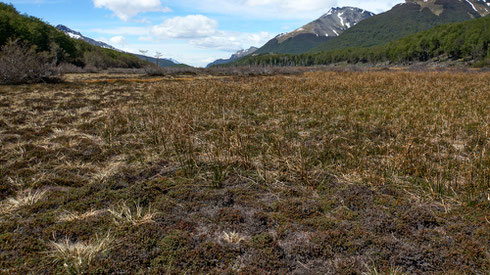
[234, 57]
[333, 23]
[405, 19]
[78, 35]
[163, 62]
[482, 7]
[330, 25]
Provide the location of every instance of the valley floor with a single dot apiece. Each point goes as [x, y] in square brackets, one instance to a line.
[325, 172]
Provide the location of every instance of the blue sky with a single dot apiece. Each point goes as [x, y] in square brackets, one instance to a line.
[194, 32]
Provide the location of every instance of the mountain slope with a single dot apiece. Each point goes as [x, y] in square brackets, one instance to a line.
[330, 25]
[77, 35]
[465, 42]
[404, 19]
[235, 56]
[46, 38]
[162, 62]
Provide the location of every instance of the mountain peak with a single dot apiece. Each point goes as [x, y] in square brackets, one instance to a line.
[331, 24]
[480, 7]
[311, 35]
[67, 30]
[336, 10]
[77, 35]
[235, 56]
[405, 19]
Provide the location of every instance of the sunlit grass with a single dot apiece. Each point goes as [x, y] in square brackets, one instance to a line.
[74, 216]
[137, 215]
[77, 255]
[23, 198]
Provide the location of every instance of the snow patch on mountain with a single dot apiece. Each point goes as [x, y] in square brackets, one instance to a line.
[235, 56]
[77, 35]
[473, 6]
[333, 23]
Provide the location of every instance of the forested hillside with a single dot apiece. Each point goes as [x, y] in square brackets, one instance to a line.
[402, 20]
[46, 38]
[468, 42]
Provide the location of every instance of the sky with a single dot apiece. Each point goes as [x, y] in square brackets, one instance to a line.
[194, 32]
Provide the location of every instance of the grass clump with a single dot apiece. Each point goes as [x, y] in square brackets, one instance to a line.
[308, 173]
[232, 237]
[74, 216]
[122, 214]
[76, 256]
[23, 198]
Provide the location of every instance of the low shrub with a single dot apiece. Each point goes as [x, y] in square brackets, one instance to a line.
[20, 63]
[163, 71]
[68, 68]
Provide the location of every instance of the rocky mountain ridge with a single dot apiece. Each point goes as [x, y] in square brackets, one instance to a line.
[235, 56]
[328, 26]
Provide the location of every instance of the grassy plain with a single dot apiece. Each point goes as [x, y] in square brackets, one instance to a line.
[324, 172]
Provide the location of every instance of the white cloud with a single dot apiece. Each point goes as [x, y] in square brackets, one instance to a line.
[198, 39]
[232, 41]
[191, 26]
[125, 9]
[196, 30]
[181, 51]
[290, 5]
[118, 40]
[280, 9]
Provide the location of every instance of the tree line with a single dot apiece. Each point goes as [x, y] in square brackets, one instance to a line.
[468, 41]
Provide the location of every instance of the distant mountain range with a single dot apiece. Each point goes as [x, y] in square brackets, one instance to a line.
[307, 37]
[315, 33]
[162, 62]
[463, 43]
[235, 56]
[353, 28]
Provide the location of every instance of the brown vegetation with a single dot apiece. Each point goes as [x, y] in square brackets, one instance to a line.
[325, 172]
[20, 63]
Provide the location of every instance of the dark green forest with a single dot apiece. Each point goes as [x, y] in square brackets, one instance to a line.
[468, 42]
[46, 38]
[399, 22]
[295, 45]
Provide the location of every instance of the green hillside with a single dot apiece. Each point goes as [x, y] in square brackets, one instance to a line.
[402, 20]
[467, 41]
[46, 38]
[298, 44]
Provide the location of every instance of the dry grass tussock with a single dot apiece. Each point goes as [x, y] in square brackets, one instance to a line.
[319, 172]
[138, 215]
[76, 255]
[232, 237]
[74, 216]
[23, 198]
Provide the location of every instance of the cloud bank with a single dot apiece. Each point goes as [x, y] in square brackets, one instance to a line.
[280, 9]
[125, 9]
[191, 26]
